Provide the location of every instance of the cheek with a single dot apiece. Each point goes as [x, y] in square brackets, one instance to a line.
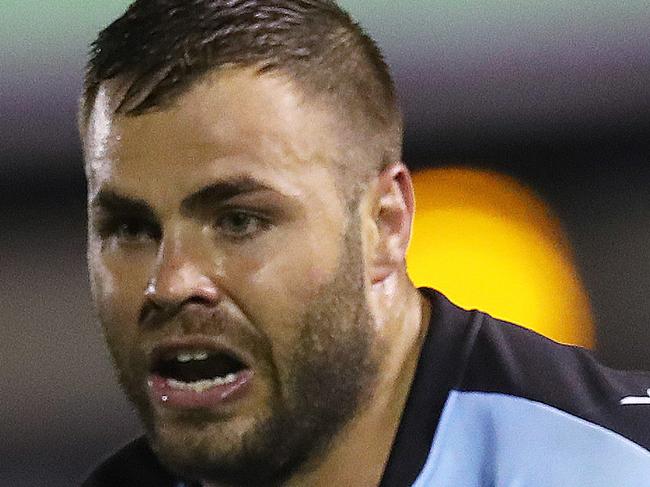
[277, 289]
[290, 274]
[118, 292]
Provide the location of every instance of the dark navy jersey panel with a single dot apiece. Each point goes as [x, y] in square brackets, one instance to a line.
[509, 359]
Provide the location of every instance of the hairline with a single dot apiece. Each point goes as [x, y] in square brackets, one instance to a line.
[349, 186]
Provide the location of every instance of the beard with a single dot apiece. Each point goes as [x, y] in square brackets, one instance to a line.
[330, 374]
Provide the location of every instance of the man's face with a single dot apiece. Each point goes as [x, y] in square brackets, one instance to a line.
[228, 275]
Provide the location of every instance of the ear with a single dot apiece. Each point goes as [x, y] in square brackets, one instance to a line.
[393, 207]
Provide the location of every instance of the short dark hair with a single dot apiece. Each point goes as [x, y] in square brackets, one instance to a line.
[163, 46]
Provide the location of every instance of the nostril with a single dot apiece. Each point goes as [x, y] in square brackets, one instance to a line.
[156, 312]
[198, 299]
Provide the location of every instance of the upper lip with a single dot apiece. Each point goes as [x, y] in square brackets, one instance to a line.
[167, 348]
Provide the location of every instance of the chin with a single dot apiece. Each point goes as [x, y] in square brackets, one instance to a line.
[237, 452]
[194, 448]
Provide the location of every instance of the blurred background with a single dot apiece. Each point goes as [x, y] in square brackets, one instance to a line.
[531, 119]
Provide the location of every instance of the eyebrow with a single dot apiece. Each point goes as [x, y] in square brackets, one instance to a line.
[221, 191]
[213, 194]
[113, 202]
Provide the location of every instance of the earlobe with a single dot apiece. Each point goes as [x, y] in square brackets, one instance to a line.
[393, 211]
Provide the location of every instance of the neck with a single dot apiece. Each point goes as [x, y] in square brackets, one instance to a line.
[359, 453]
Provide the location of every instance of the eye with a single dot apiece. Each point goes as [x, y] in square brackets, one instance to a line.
[129, 231]
[241, 224]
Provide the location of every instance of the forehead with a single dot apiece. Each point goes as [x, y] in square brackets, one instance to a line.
[233, 121]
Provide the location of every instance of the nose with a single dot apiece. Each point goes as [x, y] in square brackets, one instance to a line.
[181, 276]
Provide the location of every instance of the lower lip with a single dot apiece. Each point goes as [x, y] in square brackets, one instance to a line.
[214, 397]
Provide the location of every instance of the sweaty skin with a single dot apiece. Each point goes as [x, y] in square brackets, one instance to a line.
[276, 265]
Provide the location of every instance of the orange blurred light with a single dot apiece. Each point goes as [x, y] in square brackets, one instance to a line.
[488, 242]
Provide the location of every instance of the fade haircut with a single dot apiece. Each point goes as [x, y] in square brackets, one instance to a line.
[162, 47]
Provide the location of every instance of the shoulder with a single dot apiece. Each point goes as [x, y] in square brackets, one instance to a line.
[526, 410]
[133, 465]
[515, 362]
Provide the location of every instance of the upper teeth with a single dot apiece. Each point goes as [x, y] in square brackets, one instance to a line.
[188, 356]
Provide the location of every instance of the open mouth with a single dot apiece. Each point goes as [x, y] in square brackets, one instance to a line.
[197, 377]
[198, 369]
